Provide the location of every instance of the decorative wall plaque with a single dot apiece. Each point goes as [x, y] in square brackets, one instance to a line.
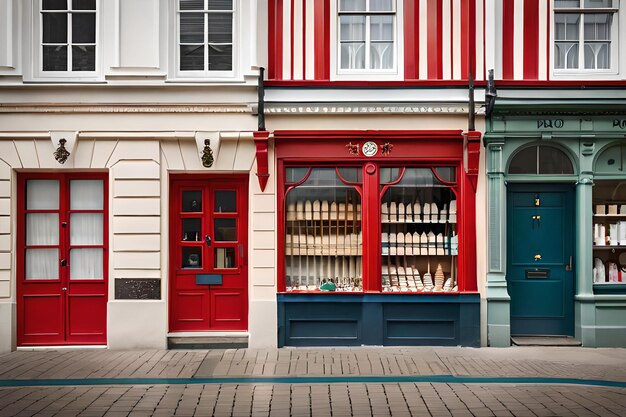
[207, 154]
[61, 154]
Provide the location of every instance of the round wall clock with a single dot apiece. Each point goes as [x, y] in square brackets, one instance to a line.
[369, 149]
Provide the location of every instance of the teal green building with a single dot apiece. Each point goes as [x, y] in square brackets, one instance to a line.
[556, 215]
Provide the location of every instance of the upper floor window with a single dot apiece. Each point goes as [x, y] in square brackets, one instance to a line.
[366, 34]
[366, 39]
[68, 36]
[585, 34]
[205, 37]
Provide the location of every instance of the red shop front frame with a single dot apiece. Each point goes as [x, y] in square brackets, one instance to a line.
[413, 149]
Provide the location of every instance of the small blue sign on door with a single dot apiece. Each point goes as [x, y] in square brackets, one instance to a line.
[209, 279]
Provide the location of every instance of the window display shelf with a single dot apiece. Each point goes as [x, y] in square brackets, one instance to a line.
[609, 233]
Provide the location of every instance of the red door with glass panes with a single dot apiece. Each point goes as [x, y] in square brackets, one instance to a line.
[208, 253]
[62, 259]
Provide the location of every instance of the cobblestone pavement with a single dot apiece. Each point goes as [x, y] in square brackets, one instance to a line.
[350, 382]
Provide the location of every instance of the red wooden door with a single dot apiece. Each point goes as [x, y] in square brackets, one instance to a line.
[62, 259]
[208, 253]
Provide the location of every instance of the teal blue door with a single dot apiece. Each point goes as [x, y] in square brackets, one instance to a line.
[540, 247]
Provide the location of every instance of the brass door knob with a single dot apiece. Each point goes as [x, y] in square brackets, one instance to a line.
[537, 257]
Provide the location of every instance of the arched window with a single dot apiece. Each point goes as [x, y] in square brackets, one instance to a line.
[541, 159]
[612, 160]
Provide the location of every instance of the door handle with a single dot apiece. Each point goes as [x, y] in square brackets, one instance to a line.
[63, 262]
[568, 267]
[207, 240]
[537, 257]
[64, 289]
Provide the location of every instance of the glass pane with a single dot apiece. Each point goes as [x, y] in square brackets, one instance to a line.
[598, 3]
[86, 229]
[566, 3]
[54, 58]
[381, 28]
[54, 5]
[447, 174]
[225, 201]
[220, 57]
[42, 195]
[524, 162]
[191, 4]
[350, 174]
[84, 4]
[192, 257]
[225, 230]
[192, 201]
[86, 195]
[86, 263]
[381, 55]
[225, 258]
[54, 27]
[597, 56]
[353, 55]
[566, 55]
[381, 5]
[352, 5]
[192, 230]
[191, 27]
[191, 58]
[83, 28]
[220, 4]
[42, 264]
[294, 175]
[388, 175]
[352, 28]
[554, 161]
[42, 229]
[220, 28]
[83, 58]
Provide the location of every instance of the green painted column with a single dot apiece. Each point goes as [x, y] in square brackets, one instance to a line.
[498, 300]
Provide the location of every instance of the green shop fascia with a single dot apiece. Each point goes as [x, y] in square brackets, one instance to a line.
[556, 226]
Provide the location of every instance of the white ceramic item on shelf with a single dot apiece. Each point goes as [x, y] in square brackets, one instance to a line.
[341, 211]
[599, 275]
[325, 210]
[434, 213]
[424, 244]
[393, 248]
[401, 213]
[432, 243]
[612, 209]
[333, 211]
[600, 209]
[428, 282]
[417, 212]
[409, 213]
[426, 212]
[416, 243]
[443, 214]
[439, 278]
[393, 212]
[317, 210]
[384, 213]
[408, 244]
[291, 211]
[300, 210]
[614, 239]
[447, 286]
[440, 244]
[452, 213]
[308, 210]
[400, 242]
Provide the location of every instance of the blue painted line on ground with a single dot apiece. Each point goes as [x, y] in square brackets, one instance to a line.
[446, 379]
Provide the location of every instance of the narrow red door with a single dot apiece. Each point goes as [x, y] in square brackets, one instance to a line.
[208, 253]
[61, 259]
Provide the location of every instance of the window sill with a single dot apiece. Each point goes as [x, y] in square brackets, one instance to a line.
[584, 75]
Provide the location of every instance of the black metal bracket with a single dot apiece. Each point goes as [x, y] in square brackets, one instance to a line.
[261, 104]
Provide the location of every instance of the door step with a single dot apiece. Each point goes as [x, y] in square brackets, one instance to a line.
[207, 342]
[545, 341]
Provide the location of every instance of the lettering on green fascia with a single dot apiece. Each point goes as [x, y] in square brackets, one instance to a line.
[619, 123]
[550, 123]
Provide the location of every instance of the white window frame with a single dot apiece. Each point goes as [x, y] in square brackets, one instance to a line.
[617, 68]
[175, 73]
[37, 52]
[394, 74]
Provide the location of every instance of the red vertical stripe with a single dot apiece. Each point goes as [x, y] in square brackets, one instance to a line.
[508, 21]
[291, 17]
[322, 39]
[304, 38]
[434, 39]
[275, 40]
[411, 40]
[531, 39]
[451, 35]
[468, 38]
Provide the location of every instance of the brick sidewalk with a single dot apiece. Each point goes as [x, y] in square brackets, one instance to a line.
[328, 398]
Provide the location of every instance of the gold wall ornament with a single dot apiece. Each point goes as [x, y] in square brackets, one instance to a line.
[207, 154]
[61, 154]
[353, 149]
[386, 148]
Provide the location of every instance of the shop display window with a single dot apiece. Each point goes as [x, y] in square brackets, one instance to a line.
[405, 217]
[419, 237]
[609, 232]
[323, 241]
